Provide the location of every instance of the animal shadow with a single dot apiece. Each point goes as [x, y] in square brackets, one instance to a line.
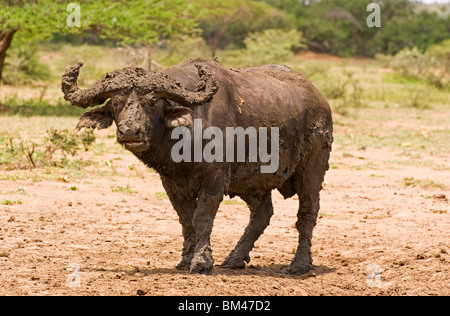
[273, 270]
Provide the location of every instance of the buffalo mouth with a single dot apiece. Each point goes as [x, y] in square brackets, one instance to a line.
[134, 145]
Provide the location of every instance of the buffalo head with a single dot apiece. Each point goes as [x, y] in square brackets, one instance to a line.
[139, 101]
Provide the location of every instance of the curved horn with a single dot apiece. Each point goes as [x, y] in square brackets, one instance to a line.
[96, 94]
[204, 92]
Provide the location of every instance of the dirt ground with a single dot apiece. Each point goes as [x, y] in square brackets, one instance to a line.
[375, 236]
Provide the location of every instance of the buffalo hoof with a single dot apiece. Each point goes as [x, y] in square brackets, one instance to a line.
[233, 262]
[202, 262]
[200, 268]
[184, 265]
[297, 269]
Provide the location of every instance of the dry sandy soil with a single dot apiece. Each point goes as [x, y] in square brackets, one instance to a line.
[375, 236]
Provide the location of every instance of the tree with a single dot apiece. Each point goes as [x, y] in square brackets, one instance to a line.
[27, 20]
[6, 37]
[139, 22]
[339, 26]
[229, 22]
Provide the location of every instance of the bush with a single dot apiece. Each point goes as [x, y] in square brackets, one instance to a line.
[312, 69]
[343, 91]
[25, 154]
[177, 50]
[14, 153]
[67, 142]
[271, 46]
[432, 67]
[411, 63]
[22, 66]
[440, 76]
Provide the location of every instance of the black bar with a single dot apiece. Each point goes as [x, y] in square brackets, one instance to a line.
[212, 305]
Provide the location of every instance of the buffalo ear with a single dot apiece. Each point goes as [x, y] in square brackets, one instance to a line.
[97, 118]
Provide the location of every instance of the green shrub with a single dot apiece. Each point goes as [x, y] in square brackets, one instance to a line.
[68, 142]
[22, 66]
[25, 154]
[313, 69]
[440, 76]
[272, 46]
[13, 152]
[411, 63]
[432, 67]
[343, 91]
[175, 51]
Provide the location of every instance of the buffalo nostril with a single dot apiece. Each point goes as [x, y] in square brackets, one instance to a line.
[138, 132]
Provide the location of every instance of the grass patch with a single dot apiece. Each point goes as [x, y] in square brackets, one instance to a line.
[14, 106]
[424, 184]
[232, 202]
[41, 174]
[9, 202]
[438, 211]
[161, 195]
[127, 190]
[377, 175]
[397, 78]
[411, 132]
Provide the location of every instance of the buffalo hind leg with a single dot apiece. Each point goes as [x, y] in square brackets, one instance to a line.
[261, 211]
[308, 183]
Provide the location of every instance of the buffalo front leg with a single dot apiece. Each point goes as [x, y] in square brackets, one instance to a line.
[261, 211]
[210, 197]
[185, 215]
[185, 207]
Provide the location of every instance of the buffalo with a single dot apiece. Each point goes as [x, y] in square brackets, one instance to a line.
[147, 107]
